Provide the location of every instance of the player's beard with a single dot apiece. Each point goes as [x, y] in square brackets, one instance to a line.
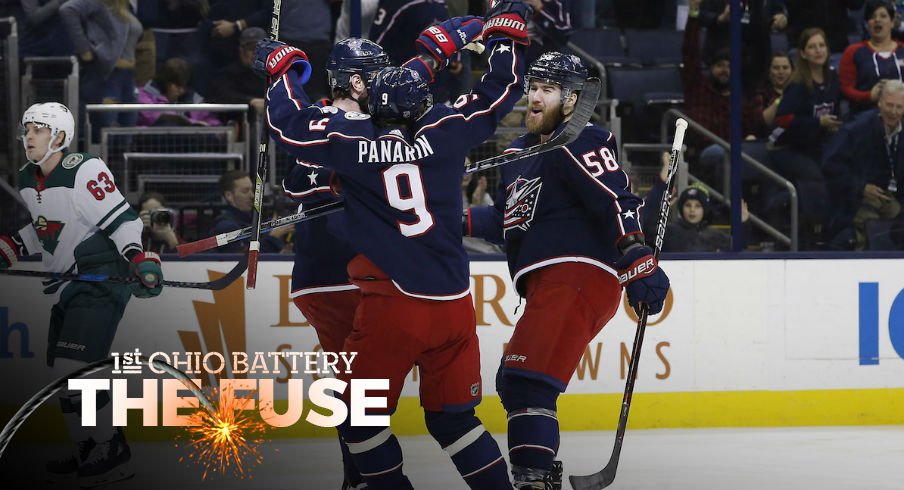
[551, 118]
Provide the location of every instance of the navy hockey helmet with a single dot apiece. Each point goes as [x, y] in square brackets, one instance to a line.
[354, 56]
[398, 94]
[564, 70]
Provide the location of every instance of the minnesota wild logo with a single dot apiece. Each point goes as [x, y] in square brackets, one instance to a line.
[48, 232]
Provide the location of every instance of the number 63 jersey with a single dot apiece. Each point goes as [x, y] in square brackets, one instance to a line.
[402, 185]
[76, 201]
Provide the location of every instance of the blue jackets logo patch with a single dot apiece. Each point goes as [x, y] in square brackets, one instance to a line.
[521, 202]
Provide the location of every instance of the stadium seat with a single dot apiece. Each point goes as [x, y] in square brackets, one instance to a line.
[606, 45]
[655, 47]
[643, 94]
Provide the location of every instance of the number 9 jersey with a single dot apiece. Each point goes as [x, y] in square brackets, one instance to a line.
[403, 189]
[79, 199]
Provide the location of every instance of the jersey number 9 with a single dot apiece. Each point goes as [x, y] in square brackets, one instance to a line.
[416, 202]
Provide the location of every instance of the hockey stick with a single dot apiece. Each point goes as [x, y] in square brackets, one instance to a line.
[215, 285]
[606, 476]
[208, 243]
[262, 164]
[51, 389]
[583, 110]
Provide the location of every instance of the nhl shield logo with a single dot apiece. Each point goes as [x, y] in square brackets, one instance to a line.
[475, 389]
[521, 203]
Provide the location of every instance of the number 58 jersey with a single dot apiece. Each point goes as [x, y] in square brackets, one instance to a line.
[77, 200]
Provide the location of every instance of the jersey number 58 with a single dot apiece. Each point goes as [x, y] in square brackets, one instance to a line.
[596, 166]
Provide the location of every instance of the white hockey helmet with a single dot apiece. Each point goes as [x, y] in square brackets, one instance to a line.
[52, 115]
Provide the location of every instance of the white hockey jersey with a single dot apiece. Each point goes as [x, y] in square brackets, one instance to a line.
[77, 200]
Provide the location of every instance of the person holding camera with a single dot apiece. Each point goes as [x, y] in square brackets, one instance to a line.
[158, 234]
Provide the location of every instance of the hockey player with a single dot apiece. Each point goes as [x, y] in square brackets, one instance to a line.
[573, 239]
[400, 169]
[80, 223]
[321, 288]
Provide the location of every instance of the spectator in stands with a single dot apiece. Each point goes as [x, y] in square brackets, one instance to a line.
[806, 116]
[397, 23]
[104, 34]
[688, 228]
[829, 15]
[343, 27]
[771, 93]
[236, 83]
[549, 27]
[867, 64]
[239, 195]
[219, 33]
[158, 235]
[171, 85]
[43, 33]
[865, 162]
[306, 24]
[759, 18]
[474, 194]
[706, 97]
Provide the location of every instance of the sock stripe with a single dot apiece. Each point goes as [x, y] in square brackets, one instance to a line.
[368, 444]
[491, 464]
[465, 440]
[531, 446]
[390, 470]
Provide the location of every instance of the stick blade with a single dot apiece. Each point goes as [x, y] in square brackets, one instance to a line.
[596, 481]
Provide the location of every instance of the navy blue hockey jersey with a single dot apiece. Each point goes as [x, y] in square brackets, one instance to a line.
[398, 23]
[322, 248]
[573, 204]
[402, 190]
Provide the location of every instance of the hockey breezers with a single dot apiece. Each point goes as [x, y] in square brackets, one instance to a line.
[214, 285]
[583, 110]
[606, 476]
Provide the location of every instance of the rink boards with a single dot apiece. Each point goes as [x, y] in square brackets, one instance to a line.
[740, 343]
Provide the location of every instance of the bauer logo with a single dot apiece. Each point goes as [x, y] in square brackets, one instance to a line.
[870, 313]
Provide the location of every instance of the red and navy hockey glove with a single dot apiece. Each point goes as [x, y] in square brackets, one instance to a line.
[643, 280]
[507, 19]
[273, 58]
[443, 40]
[11, 248]
[146, 266]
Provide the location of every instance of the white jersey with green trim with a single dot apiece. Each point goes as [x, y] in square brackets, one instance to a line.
[78, 199]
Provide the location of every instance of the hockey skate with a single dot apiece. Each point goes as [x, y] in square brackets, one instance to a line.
[552, 480]
[66, 467]
[107, 462]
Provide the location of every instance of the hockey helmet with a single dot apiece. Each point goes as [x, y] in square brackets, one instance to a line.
[398, 94]
[354, 56]
[51, 115]
[564, 70]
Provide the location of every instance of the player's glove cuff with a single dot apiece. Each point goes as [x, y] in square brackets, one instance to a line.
[272, 59]
[146, 267]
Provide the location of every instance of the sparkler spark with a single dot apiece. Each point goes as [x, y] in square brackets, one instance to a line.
[226, 440]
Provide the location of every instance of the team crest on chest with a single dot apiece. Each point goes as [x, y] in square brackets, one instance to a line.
[73, 160]
[521, 203]
[48, 232]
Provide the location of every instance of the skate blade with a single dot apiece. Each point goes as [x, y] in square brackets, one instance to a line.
[119, 473]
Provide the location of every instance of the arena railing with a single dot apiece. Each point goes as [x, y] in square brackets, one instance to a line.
[668, 119]
[11, 154]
